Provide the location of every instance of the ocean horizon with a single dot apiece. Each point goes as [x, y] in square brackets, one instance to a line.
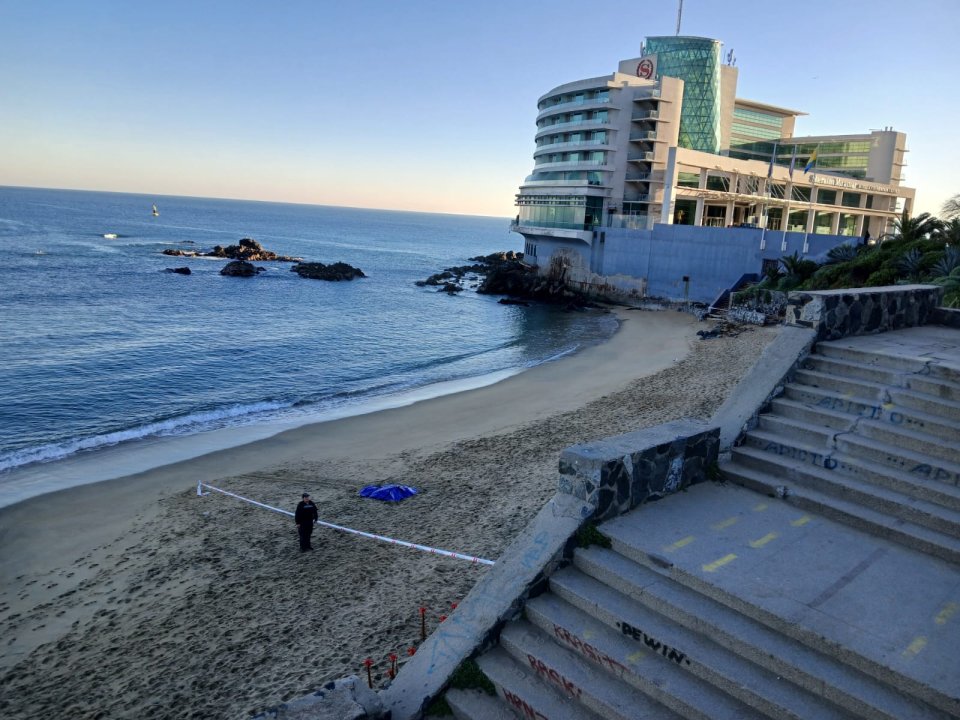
[106, 352]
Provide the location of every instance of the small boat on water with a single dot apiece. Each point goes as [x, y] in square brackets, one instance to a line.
[155, 211]
[110, 236]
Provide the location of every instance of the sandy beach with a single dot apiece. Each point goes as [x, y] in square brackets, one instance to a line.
[133, 597]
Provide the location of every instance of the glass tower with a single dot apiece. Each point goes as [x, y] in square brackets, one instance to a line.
[696, 61]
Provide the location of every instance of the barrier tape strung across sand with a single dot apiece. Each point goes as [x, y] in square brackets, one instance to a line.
[382, 538]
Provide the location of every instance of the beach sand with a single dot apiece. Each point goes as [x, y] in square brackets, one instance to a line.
[134, 597]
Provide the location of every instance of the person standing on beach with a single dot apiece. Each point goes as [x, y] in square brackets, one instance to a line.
[305, 517]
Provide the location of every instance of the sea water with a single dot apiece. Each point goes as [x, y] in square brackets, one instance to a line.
[100, 347]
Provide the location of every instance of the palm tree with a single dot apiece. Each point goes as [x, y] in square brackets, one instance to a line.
[908, 229]
[949, 231]
[951, 208]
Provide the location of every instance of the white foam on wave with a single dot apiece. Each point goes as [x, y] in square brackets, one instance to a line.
[187, 424]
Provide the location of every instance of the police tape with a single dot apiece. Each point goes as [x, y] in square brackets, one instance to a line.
[381, 538]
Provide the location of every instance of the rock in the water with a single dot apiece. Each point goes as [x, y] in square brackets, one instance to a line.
[318, 271]
[450, 288]
[247, 249]
[241, 268]
[513, 301]
[178, 271]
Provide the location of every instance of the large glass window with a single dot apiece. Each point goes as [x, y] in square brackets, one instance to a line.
[755, 116]
[563, 211]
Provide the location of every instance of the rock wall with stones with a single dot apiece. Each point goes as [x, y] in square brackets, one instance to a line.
[947, 316]
[618, 473]
[835, 314]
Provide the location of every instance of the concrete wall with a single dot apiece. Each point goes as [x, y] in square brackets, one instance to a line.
[711, 258]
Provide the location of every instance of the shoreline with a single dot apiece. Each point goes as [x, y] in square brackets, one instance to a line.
[140, 455]
[206, 598]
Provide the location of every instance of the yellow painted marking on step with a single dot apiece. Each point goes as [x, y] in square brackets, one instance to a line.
[725, 523]
[801, 521]
[764, 540]
[949, 610]
[588, 634]
[717, 564]
[682, 542]
[760, 508]
[914, 648]
[636, 657]
[888, 406]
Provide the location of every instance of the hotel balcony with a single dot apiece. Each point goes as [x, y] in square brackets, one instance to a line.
[572, 104]
[643, 135]
[585, 144]
[591, 124]
[641, 157]
[646, 115]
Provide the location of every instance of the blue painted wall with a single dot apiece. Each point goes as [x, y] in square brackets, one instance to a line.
[712, 258]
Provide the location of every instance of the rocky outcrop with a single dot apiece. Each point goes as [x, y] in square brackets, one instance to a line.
[335, 272]
[247, 249]
[505, 273]
[178, 271]
[241, 268]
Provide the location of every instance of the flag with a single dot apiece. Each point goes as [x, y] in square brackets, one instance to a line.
[773, 157]
[811, 162]
[793, 161]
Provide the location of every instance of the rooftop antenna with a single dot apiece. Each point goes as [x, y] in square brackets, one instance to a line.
[679, 15]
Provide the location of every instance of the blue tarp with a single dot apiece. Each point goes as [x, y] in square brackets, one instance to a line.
[390, 493]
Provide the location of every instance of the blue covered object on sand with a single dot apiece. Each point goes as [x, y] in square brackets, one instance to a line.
[390, 493]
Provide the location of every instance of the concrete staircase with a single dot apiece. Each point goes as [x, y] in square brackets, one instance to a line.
[867, 439]
[835, 593]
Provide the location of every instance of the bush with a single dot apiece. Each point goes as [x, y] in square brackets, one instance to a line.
[886, 276]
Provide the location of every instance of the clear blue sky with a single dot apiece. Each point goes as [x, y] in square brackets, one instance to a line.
[421, 105]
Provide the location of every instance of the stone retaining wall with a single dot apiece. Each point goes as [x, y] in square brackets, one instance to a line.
[618, 473]
[836, 314]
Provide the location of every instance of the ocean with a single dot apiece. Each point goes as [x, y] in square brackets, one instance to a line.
[100, 348]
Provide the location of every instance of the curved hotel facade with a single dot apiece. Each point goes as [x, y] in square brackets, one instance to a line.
[664, 140]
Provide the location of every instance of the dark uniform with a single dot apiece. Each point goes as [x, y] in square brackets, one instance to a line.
[305, 517]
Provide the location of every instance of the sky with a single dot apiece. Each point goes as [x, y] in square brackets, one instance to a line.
[422, 105]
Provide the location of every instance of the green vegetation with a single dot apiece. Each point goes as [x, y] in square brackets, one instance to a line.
[468, 676]
[588, 535]
[922, 249]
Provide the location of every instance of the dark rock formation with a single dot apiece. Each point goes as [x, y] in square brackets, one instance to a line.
[241, 268]
[319, 271]
[450, 288]
[505, 273]
[247, 249]
[178, 271]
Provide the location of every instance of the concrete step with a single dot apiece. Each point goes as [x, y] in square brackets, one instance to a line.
[898, 363]
[846, 470]
[823, 675]
[853, 450]
[845, 385]
[833, 410]
[791, 430]
[849, 511]
[477, 705]
[818, 435]
[926, 466]
[921, 381]
[525, 693]
[940, 407]
[866, 601]
[913, 440]
[859, 370]
[665, 641]
[881, 393]
[594, 688]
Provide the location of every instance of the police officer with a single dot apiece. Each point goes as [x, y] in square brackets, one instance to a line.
[305, 517]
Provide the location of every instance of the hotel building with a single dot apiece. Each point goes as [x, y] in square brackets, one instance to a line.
[665, 140]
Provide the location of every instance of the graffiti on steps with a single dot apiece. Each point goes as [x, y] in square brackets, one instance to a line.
[587, 650]
[852, 407]
[640, 636]
[523, 706]
[935, 473]
[801, 455]
[568, 686]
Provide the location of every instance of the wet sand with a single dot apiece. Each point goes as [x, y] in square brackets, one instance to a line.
[133, 597]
